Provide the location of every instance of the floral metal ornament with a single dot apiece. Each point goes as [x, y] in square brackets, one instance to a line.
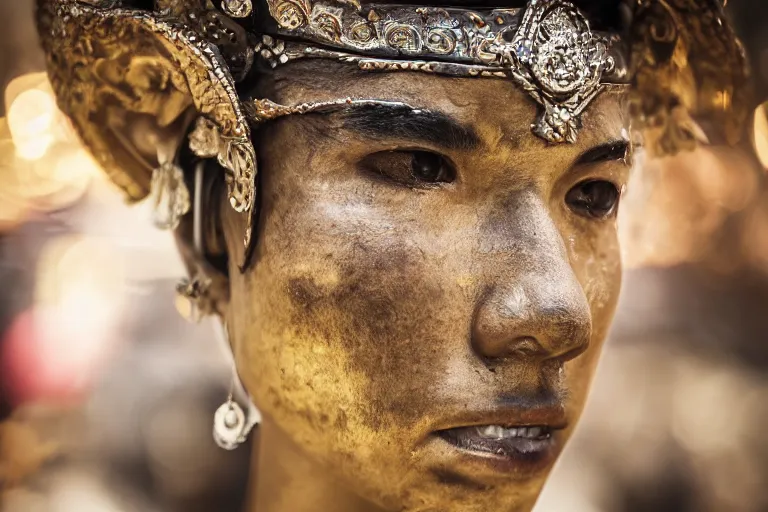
[557, 59]
[546, 47]
[129, 78]
[237, 8]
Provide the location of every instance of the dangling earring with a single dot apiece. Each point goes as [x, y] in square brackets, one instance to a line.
[231, 425]
[168, 194]
[229, 430]
[193, 301]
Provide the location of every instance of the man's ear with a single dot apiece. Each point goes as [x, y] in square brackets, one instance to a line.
[208, 263]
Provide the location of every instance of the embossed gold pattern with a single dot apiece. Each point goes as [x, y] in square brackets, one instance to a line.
[122, 75]
[129, 78]
[547, 48]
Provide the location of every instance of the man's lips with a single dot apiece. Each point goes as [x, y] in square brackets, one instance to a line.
[518, 440]
[501, 441]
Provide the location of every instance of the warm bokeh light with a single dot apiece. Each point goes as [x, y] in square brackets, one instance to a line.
[674, 204]
[761, 135]
[80, 283]
[55, 349]
[67, 176]
[43, 166]
[31, 118]
[76, 165]
[14, 207]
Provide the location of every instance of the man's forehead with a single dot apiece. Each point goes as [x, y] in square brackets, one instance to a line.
[491, 107]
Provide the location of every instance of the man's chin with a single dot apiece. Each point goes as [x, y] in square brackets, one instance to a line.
[452, 480]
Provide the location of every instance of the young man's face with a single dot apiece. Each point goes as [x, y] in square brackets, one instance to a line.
[431, 288]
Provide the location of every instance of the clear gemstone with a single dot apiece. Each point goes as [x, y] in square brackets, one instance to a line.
[169, 196]
[524, 52]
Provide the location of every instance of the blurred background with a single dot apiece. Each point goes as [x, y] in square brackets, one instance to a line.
[107, 395]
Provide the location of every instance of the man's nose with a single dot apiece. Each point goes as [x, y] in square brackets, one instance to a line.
[535, 306]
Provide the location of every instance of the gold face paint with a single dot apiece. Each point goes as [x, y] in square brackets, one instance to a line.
[419, 273]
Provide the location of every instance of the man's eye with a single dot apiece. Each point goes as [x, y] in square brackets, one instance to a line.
[430, 168]
[412, 168]
[594, 198]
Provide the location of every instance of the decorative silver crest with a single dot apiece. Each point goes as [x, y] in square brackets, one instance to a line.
[557, 59]
[547, 48]
[237, 156]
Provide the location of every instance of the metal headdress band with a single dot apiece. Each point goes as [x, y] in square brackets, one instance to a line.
[547, 48]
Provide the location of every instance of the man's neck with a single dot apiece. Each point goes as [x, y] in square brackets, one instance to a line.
[283, 479]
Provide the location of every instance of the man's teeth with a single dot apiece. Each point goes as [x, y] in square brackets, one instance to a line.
[499, 432]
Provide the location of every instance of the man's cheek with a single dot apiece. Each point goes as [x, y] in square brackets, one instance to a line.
[386, 312]
[296, 369]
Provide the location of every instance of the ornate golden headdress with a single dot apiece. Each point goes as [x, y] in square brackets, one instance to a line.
[135, 75]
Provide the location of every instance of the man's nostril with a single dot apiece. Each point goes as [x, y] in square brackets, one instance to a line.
[527, 347]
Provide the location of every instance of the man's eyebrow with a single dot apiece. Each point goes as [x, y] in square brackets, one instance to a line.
[617, 149]
[399, 121]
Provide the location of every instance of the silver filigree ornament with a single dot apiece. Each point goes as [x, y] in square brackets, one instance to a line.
[237, 157]
[204, 139]
[547, 48]
[557, 59]
[104, 4]
[271, 51]
[237, 8]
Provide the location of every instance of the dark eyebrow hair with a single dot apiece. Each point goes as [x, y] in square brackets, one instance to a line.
[617, 149]
[404, 122]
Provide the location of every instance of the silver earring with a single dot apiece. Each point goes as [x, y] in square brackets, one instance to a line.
[193, 300]
[229, 425]
[232, 425]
